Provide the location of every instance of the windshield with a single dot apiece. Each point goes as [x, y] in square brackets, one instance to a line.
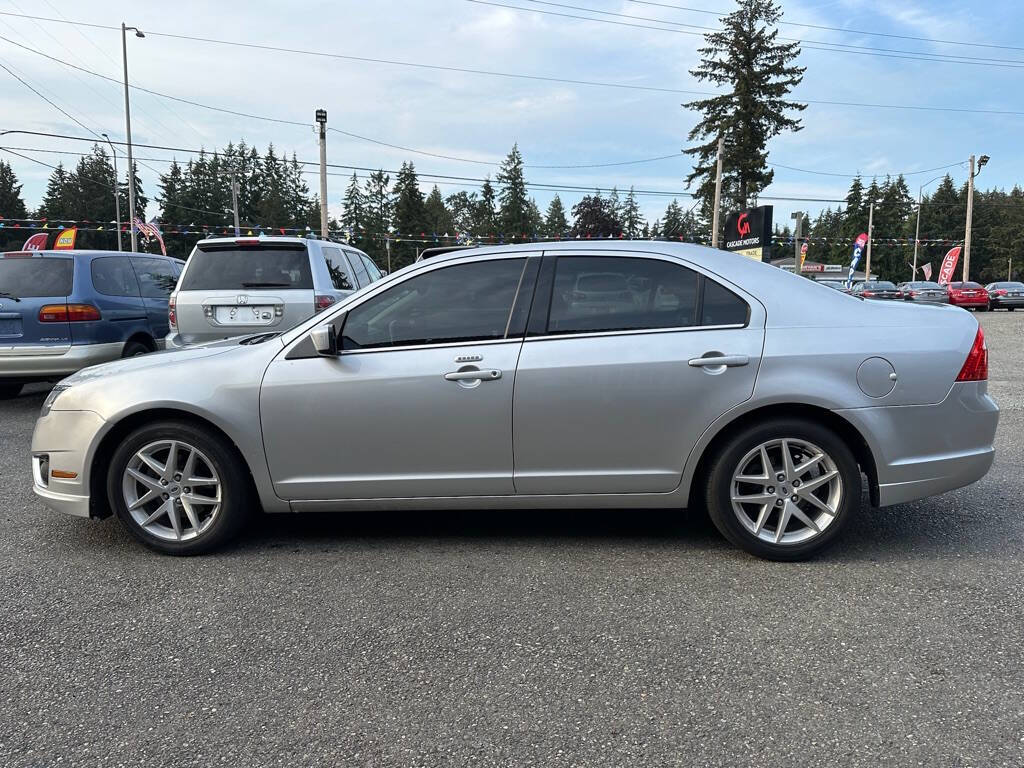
[247, 268]
[882, 285]
[22, 277]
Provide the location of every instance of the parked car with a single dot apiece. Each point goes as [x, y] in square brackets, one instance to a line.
[1005, 295]
[838, 285]
[924, 291]
[968, 295]
[244, 285]
[64, 310]
[709, 381]
[877, 289]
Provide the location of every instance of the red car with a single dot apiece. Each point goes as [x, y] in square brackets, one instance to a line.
[968, 295]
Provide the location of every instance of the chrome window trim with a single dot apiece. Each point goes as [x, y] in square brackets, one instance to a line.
[637, 332]
[439, 345]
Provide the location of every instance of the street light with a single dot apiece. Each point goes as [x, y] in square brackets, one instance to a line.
[917, 232]
[117, 197]
[128, 134]
[982, 162]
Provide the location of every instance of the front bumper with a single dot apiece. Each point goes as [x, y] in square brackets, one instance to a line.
[924, 450]
[41, 363]
[69, 440]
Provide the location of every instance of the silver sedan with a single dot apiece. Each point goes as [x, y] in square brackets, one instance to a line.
[636, 375]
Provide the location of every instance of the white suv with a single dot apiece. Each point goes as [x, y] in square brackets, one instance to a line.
[245, 285]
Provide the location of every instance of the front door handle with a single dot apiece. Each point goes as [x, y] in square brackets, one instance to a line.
[488, 375]
[713, 361]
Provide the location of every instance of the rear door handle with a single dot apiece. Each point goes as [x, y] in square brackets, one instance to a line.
[714, 361]
[488, 375]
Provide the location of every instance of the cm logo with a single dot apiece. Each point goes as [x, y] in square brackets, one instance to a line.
[742, 225]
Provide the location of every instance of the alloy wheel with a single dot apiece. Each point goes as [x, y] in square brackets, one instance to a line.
[172, 490]
[786, 491]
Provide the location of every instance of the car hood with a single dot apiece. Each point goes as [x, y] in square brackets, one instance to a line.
[154, 360]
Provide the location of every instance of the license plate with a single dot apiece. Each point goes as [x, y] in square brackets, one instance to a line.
[244, 315]
[10, 326]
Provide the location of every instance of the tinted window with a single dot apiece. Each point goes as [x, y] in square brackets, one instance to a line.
[970, 286]
[466, 302]
[234, 269]
[375, 274]
[28, 277]
[114, 276]
[156, 278]
[357, 264]
[722, 306]
[881, 285]
[338, 269]
[599, 293]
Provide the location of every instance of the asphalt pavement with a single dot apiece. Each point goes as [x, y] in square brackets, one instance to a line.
[511, 639]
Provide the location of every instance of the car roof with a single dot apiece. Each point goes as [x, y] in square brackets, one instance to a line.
[89, 252]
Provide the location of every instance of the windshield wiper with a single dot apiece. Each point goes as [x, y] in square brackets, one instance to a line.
[7, 295]
[266, 285]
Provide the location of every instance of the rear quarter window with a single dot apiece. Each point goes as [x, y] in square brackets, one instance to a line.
[236, 269]
[36, 276]
[114, 276]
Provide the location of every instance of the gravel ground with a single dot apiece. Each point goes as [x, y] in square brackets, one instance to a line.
[546, 639]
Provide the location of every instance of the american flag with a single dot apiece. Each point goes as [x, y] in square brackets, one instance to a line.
[150, 231]
[927, 269]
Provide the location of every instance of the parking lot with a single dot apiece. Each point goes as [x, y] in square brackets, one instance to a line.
[549, 638]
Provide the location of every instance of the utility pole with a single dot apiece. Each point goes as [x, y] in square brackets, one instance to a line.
[871, 226]
[798, 216]
[117, 195]
[718, 193]
[970, 212]
[321, 119]
[234, 202]
[1009, 270]
[128, 135]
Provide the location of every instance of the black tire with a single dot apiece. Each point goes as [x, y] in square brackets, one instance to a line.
[10, 391]
[235, 489]
[134, 349]
[1010, 309]
[718, 490]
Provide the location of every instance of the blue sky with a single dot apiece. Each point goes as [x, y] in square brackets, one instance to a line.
[479, 117]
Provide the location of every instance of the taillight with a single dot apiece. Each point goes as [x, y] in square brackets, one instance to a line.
[68, 313]
[913, 293]
[868, 293]
[976, 365]
[172, 314]
[322, 301]
[899, 294]
[1000, 292]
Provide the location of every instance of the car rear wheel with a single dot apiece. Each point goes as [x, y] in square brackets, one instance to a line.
[178, 489]
[783, 489]
[8, 391]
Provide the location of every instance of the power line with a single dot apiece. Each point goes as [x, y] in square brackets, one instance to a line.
[721, 14]
[514, 75]
[913, 55]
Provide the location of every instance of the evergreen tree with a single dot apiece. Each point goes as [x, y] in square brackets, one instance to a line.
[379, 209]
[11, 204]
[672, 225]
[485, 221]
[273, 209]
[632, 222]
[758, 72]
[438, 218]
[463, 207]
[410, 217]
[57, 200]
[353, 214]
[513, 215]
[534, 219]
[555, 224]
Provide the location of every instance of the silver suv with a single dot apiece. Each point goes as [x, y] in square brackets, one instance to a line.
[238, 286]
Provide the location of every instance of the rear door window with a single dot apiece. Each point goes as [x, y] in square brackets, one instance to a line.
[34, 277]
[357, 264]
[375, 274]
[234, 269]
[338, 269]
[114, 276]
[156, 277]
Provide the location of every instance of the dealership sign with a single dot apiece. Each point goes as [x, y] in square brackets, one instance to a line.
[749, 232]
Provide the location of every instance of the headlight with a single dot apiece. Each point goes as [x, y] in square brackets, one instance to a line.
[52, 398]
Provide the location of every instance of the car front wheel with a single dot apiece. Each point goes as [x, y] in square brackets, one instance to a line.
[783, 489]
[179, 489]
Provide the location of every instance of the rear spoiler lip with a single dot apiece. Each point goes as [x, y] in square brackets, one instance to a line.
[231, 245]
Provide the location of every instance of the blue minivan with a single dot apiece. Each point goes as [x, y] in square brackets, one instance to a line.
[64, 310]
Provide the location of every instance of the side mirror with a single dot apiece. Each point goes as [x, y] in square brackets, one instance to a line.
[325, 340]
